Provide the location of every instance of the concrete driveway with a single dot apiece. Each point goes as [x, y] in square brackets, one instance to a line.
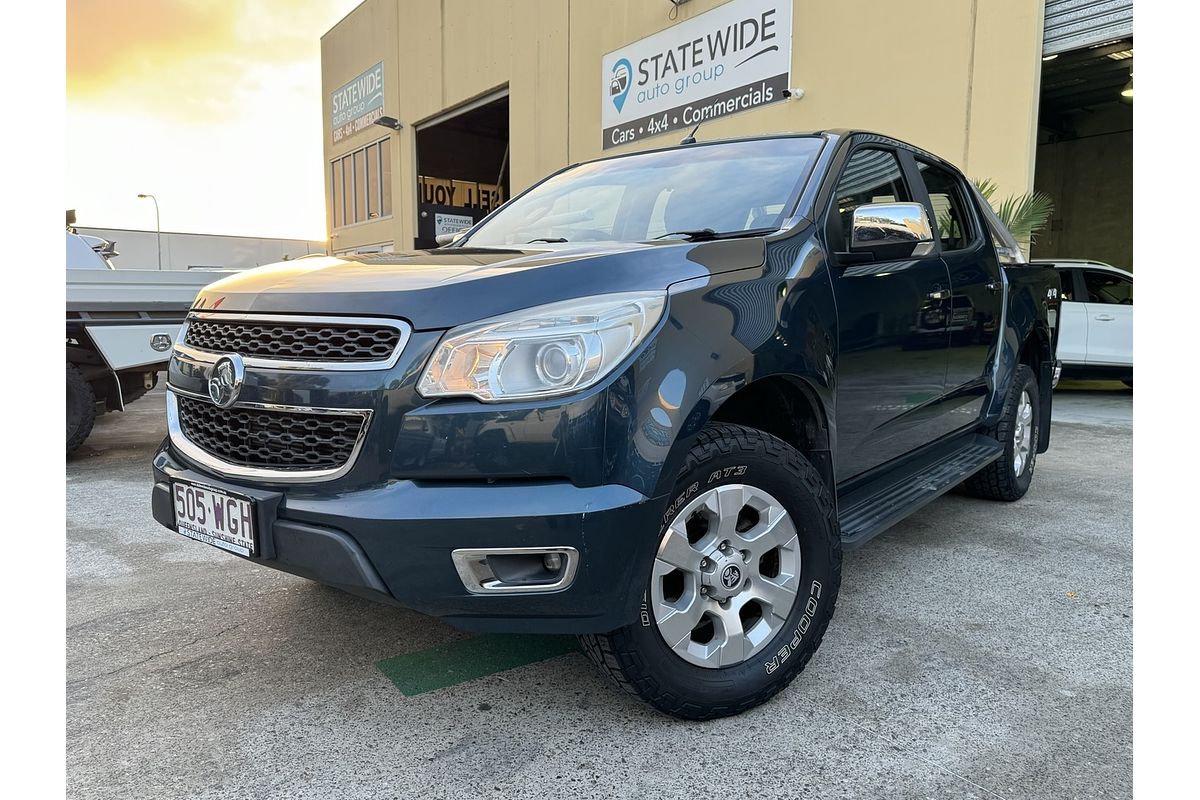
[979, 650]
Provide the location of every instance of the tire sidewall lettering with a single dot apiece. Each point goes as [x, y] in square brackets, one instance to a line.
[725, 473]
[714, 476]
[678, 503]
[811, 606]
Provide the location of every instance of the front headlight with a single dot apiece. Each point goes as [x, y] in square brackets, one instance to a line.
[541, 352]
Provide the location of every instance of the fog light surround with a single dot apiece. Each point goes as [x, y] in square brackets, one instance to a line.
[510, 570]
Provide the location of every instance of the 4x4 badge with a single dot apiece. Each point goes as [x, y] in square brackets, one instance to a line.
[225, 382]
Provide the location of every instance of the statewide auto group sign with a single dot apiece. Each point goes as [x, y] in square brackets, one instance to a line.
[357, 104]
[735, 57]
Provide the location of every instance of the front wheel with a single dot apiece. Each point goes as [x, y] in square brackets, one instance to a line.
[742, 586]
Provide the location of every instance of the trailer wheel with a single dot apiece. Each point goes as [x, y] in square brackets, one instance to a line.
[81, 408]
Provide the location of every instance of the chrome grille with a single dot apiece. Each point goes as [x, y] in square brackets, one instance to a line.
[287, 340]
[271, 438]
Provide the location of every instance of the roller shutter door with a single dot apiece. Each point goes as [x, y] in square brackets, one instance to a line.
[1073, 24]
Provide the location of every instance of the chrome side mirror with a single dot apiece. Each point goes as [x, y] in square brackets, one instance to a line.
[444, 239]
[891, 230]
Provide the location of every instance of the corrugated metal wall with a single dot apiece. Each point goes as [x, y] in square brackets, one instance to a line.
[1072, 24]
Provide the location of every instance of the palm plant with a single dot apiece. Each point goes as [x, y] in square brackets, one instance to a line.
[1025, 215]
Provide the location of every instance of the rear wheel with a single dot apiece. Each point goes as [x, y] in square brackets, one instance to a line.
[81, 408]
[742, 586]
[1008, 478]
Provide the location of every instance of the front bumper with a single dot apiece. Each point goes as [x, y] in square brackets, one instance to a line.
[393, 543]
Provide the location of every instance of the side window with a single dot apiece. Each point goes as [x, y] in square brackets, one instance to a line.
[951, 210]
[870, 176]
[1108, 287]
[1067, 276]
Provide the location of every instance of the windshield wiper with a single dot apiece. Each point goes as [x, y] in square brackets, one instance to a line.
[702, 233]
[709, 233]
[548, 240]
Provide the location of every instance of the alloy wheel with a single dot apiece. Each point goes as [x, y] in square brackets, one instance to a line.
[726, 575]
[1023, 434]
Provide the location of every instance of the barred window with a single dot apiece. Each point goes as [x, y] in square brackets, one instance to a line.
[362, 185]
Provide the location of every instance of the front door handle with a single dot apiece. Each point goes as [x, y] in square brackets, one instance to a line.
[938, 293]
[1105, 317]
[993, 286]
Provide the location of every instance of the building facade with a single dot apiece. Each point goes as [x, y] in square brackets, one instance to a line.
[492, 95]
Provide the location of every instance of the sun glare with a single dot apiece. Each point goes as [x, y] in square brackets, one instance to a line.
[213, 107]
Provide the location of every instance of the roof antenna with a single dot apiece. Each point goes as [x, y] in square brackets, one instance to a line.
[691, 137]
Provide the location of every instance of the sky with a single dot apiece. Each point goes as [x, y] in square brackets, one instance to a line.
[213, 106]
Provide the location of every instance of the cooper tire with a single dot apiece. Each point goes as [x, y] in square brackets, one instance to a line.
[1002, 480]
[730, 459]
[81, 408]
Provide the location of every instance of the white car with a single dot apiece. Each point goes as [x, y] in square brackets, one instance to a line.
[1095, 339]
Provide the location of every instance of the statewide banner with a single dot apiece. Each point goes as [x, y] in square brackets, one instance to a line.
[735, 57]
[357, 104]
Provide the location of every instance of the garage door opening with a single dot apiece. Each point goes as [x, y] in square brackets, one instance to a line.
[1085, 153]
[462, 168]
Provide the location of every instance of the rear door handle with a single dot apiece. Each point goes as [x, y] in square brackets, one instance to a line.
[938, 293]
[1105, 317]
[993, 286]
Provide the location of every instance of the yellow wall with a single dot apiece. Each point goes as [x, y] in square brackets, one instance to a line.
[957, 77]
[364, 38]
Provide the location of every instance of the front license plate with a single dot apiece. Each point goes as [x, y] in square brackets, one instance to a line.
[217, 518]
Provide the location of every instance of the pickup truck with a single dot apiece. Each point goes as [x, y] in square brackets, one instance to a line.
[648, 401]
[121, 324]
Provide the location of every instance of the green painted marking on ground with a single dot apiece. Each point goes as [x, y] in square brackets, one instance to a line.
[466, 660]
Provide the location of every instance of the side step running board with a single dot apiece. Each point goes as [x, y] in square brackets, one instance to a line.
[869, 511]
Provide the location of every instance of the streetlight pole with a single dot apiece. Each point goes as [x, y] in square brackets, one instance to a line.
[157, 225]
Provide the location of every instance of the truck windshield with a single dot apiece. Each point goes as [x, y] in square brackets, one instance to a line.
[701, 191]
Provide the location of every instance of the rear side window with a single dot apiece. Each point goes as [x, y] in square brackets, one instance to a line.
[1108, 287]
[951, 210]
[870, 176]
[1068, 284]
